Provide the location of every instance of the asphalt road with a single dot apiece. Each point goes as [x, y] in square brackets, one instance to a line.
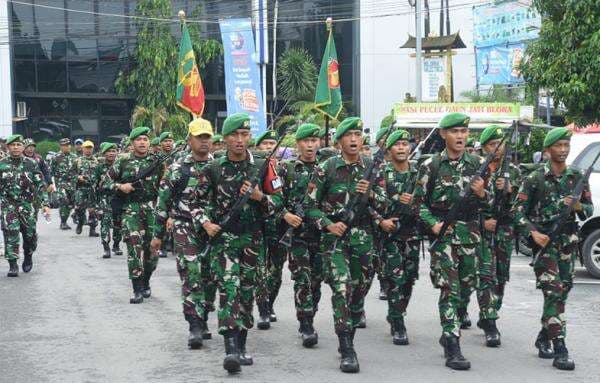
[70, 320]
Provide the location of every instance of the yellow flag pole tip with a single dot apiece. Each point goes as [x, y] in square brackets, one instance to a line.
[181, 14]
[329, 22]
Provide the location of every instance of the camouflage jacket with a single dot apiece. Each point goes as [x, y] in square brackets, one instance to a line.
[21, 183]
[84, 166]
[540, 201]
[395, 184]
[176, 199]
[219, 187]
[335, 185]
[507, 219]
[99, 173]
[61, 170]
[128, 166]
[436, 197]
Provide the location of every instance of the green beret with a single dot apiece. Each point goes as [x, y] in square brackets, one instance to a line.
[386, 122]
[155, 141]
[234, 122]
[165, 136]
[395, 136]
[139, 131]
[470, 142]
[217, 138]
[28, 142]
[106, 146]
[554, 135]
[381, 132]
[492, 132]
[322, 133]
[180, 142]
[308, 130]
[454, 120]
[350, 123]
[14, 138]
[268, 135]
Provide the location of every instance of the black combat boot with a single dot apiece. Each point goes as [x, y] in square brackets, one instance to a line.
[79, 227]
[93, 232]
[106, 247]
[137, 291]
[162, 254]
[492, 335]
[232, 355]
[205, 333]
[195, 337]
[145, 281]
[399, 336]
[64, 225]
[383, 285]
[454, 357]
[349, 361]
[561, 356]
[463, 318]
[116, 249]
[307, 332]
[542, 343]
[245, 359]
[27, 260]
[272, 315]
[264, 320]
[362, 323]
[13, 270]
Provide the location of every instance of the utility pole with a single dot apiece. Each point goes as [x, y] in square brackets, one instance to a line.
[418, 36]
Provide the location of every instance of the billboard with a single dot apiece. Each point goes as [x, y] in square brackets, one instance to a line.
[433, 112]
[504, 23]
[434, 76]
[499, 64]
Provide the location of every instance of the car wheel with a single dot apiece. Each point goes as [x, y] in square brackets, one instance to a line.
[591, 253]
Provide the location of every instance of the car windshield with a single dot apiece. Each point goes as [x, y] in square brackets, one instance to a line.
[584, 160]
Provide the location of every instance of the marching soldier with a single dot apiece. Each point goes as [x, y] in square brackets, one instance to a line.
[155, 145]
[137, 210]
[542, 195]
[82, 171]
[29, 152]
[105, 196]
[61, 170]
[21, 183]
[304, 257]
[454, 259]
[401, 239]
[379, 262]
[78, 147]
[217, 143]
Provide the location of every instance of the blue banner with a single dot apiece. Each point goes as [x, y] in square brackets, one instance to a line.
[509, 22]
[242, 76]
[500, 64]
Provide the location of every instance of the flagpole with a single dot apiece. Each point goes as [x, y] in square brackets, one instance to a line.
[181, 15]
[329, 23]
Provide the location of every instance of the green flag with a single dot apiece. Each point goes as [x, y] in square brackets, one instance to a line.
[328, 97]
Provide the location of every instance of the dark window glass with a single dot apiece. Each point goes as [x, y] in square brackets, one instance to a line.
[83, 77]
[114, 108]
[86, 128]
[51, 26]
[24, 36]
[82, 49]
[86, 108]
[52, 107]
[24, 75]
[107, 75]
[584, 160]
[80, 24]
[48, 128]
[113, 130]
[52, 76]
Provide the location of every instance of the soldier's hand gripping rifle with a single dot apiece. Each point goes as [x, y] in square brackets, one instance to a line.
[286, 238]
[564, 216]
[500, 199]
[464, 195]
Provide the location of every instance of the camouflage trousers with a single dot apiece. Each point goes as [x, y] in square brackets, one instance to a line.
[104, 214]
[305, 264]
[83, 202]
[17, 221]
[348, 270]
[234, 263]
[138, 220]
[198, 288]
[65, 196]
[401, 270]
[453, 268]
[277, 254]
[554, 273]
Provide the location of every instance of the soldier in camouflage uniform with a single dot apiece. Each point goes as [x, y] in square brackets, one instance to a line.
[21, 183]
[82, 171]
[401, 239]
[155, 145]
[176, 201]
[104, 199]
[65, 188]
[235, 252]
[217, 143]
[542, 196]
[348, 268]
[78, 150]
[167, 145]
[304, 257]
[454, 259]
[29, 152]
[137, 211]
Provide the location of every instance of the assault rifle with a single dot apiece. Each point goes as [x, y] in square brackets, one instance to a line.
[286, 238]
[564, 216]
[464, 195]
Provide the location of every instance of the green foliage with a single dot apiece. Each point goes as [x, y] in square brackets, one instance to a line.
[43, 147]
[497, 93]
[152, 79]
[297, 75]
[536, 144]
[564, 60]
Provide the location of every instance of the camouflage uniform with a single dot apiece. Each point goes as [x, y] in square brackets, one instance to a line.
[539, 201]
[138, 212]
[84, 190]
[177, 201]
[454, 260]
[305, 261]
[349, 268]
[104, 210]
[21, 184]
[65, 188]
[234, 255]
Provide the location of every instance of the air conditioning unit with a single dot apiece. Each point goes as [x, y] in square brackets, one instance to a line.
[21, 109]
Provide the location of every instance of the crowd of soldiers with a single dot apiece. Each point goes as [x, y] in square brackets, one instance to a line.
[233, 214]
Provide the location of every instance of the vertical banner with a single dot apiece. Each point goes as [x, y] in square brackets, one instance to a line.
[434, 76]
[242, 77]
[500, 64]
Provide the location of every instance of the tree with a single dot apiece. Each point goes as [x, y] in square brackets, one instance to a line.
[564, 60]
[297, 75]
[153, 75]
